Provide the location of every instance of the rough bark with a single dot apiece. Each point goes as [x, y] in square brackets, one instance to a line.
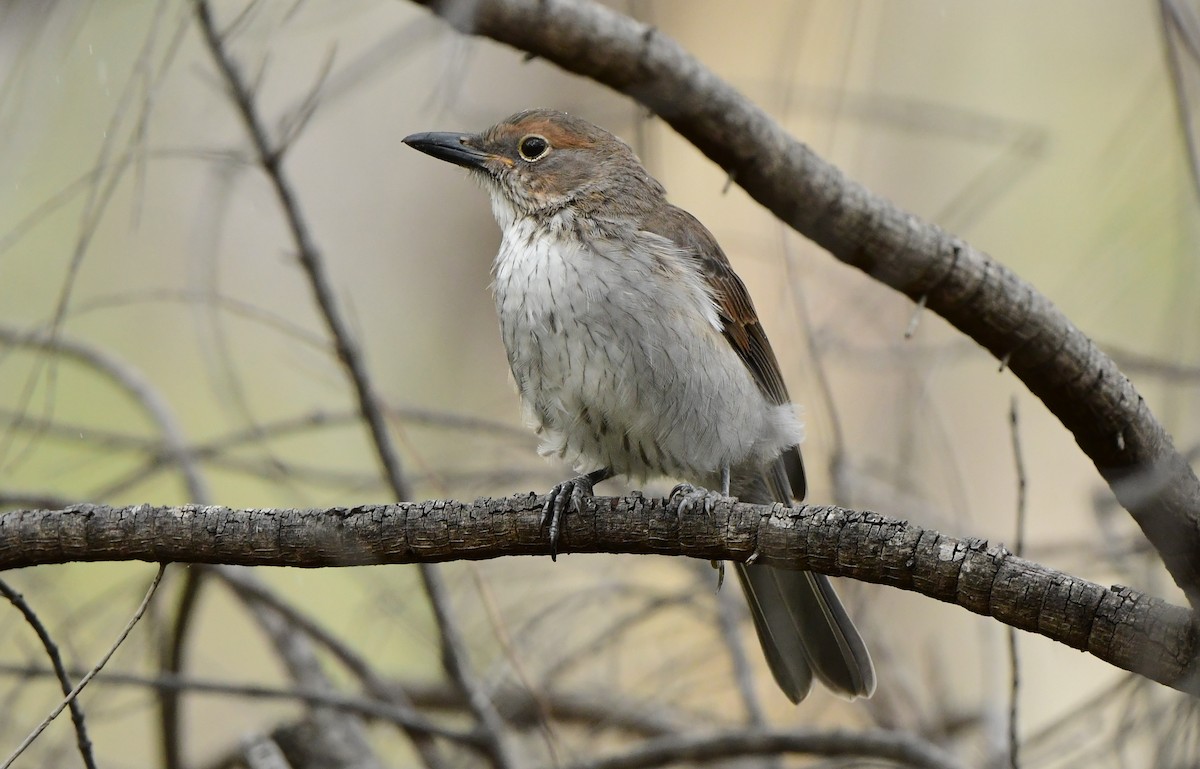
[1130, 630]
[985, 300]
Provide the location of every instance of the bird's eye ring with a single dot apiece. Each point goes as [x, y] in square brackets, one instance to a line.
[533, 147]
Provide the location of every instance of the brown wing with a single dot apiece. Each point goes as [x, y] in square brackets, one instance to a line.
[738, 318]
[799, 620]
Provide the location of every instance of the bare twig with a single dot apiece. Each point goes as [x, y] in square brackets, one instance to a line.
[1181, 41]
[502, 635]
[255, 592]
[171, 662]
[335, 735]
[362, 706]
[270, 156]
[453, 649]
[589, 709]
[60, 671]
[729, 621]
[1154, 366]
[898, 747]
[175, 449]
[100, 192]
[1014, 742]
[133, 384]
[86, 679]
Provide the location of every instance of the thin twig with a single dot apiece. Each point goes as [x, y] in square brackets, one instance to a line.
[100, 195]
[508, 648]
[340, 738]
[898, 747]
[60, 670]
[590, 709]
[730, 615]
[255, 591]
[271, 158]
[70, 697]
[453, 649]
[131, 381]
[1148, 365]
[307, 253]
[1181, 35]
[366, 707]
[172, 662]
[175, 448]
[1014, 663]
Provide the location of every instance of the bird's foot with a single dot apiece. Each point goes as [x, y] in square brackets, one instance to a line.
[689, 498]
[568, 495]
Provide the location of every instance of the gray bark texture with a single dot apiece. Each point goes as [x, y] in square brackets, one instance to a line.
[1128, 629]
[985, 300]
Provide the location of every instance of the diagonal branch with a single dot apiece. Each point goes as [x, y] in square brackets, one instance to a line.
[985, 300]
[1125, 628]
[82, 740]
[270, 156]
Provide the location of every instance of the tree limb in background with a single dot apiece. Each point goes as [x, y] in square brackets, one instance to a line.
[985, 300]
[82, 740]
[270, 154]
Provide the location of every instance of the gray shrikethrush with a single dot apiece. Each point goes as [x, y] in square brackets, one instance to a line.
[637, 351]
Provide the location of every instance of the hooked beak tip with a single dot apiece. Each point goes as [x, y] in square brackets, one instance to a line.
[450, 147]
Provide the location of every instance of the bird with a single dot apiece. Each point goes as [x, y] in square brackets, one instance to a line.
[637, 351]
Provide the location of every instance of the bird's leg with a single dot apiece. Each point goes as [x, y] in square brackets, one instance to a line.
[569, 495]
[720, 565]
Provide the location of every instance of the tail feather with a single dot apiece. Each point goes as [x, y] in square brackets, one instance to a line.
[802, 626]
[776, 631]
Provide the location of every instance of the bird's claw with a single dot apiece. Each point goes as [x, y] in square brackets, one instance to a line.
[687, 498]
[568, 495]
[720, 567]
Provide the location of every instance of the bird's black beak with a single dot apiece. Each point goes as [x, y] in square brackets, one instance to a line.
[451, 147]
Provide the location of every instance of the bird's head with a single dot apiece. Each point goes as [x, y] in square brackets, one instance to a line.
[541, 161]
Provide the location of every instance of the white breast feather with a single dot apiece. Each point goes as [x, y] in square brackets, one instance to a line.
[615, 373]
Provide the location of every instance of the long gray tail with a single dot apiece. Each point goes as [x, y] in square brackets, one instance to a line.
[804, 631]
[801, 624]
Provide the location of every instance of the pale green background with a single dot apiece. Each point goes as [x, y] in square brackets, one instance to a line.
[1045, 133]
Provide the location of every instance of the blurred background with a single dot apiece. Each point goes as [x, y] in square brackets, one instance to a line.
[147, 279]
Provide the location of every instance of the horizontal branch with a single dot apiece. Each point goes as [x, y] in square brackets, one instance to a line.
[984, 299]
[665, 743]
[893, 746]
[1125, 628]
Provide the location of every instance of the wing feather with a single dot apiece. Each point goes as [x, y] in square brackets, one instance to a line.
[740, 325]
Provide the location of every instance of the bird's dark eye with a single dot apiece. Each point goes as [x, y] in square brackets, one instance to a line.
[533, 147]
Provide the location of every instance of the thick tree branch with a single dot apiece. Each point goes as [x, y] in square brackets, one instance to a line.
[982, 298]
[1130, 630]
